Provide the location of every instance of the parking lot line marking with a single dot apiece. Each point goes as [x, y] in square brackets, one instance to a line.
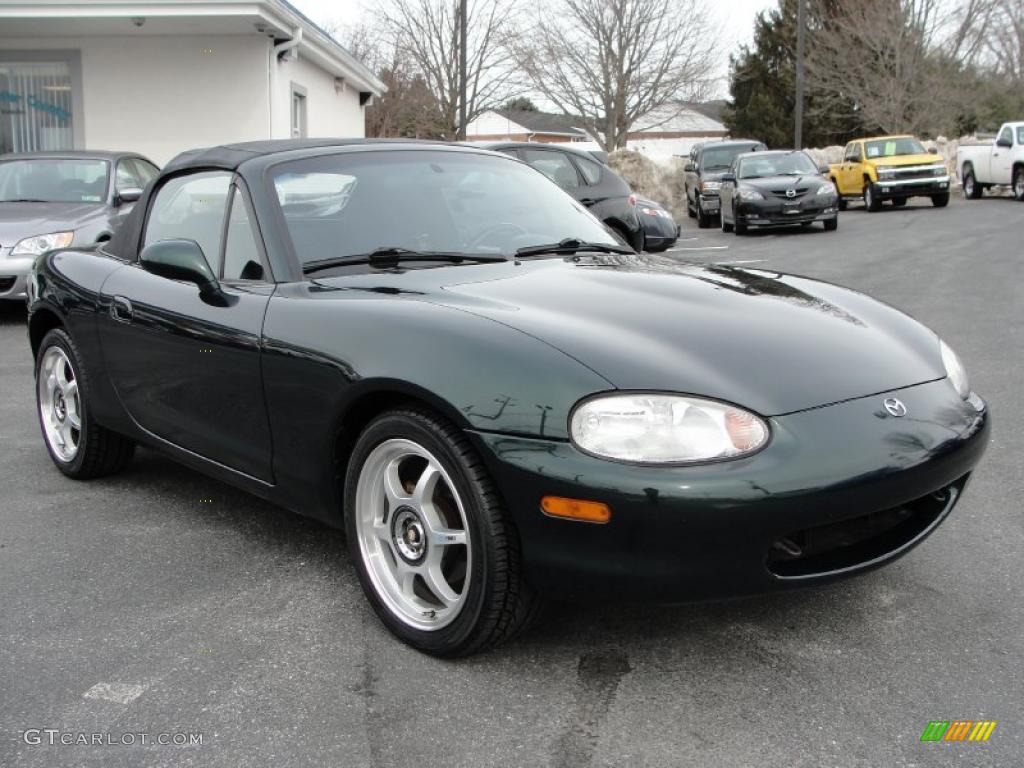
[120, 693]
[701, 248]
[744, 261]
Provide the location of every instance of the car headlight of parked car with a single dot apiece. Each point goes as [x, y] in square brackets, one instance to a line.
[656, 212]
[955, 370]
[710, 186]
[828, 188]
[33, 246]
[747, 193]
[885, 171]
[665, 429]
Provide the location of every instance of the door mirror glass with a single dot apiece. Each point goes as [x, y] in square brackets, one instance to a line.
[690, 168]
[1004, 142]
[933, 151]
[824, 170]
[179, 260]
[128, 195]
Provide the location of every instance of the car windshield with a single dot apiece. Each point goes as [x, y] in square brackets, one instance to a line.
[721, 158]
[784, 164]
[349, 204]
[903, 145]
[53, 180]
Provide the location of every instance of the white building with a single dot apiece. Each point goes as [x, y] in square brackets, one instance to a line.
[161, 77]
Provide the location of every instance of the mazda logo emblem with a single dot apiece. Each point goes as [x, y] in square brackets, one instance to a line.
[895, 406]
[790, 193]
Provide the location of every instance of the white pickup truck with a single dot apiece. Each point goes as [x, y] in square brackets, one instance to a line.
[999, 163]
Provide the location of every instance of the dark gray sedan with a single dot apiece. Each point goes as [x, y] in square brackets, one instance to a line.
[58, 199]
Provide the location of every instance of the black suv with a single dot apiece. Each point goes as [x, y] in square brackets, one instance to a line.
[592, 183]
[708, 161]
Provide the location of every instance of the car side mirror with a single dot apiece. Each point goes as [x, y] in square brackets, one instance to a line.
[128, 195]
[933, 151]
[728, 177]
[181, 260]
[1004, 143]
[824, 170]
[690, 168]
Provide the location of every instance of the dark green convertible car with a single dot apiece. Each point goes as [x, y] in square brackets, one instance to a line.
[439, 350]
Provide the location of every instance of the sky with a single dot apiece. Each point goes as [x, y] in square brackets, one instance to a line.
[735, 17]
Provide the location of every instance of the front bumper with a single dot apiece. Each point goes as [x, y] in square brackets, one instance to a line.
[779, 213]
[729, 528]
[14, 275]
[898, 188]
[710, 202]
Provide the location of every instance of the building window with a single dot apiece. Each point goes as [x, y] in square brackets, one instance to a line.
[298, 112]
[35, 106]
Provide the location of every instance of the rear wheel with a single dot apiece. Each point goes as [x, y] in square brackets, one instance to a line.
[940, 201]
[1018, 183]
[726, 226]
[972, 189]
[436, 553]
[841, 199]
[81, 448]
[689, 208]
[872, 202]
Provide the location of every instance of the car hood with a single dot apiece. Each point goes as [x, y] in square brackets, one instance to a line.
[20, 220]
[782, 183]
[902, 160]
[773, 343]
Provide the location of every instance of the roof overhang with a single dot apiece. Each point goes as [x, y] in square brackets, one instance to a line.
[275, 19]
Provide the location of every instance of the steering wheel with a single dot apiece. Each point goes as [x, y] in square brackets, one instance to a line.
[503, 226]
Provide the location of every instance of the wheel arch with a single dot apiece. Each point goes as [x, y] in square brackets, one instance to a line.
[42, 320]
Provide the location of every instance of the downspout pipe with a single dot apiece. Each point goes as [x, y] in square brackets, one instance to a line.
[277, 53]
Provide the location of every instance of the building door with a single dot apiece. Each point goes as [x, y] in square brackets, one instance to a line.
[35, 106]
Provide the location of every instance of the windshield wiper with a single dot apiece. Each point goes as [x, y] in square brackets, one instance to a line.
[24, 200]
[571, 245]
[388, 257]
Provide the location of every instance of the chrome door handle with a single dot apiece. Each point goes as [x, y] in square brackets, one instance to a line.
[121, 309]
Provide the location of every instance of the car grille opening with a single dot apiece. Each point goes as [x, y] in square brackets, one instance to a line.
[798, 193]
[859, 540]
[6, 283]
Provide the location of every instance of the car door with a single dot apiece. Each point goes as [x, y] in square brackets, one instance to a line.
[1002, 158]
[187, 367]
[850, 168]
[727, 191]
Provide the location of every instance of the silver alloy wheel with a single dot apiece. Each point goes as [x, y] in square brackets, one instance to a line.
[60, 405]
[969, 185]
[413, 536]
[869, 196]
[1018, 185]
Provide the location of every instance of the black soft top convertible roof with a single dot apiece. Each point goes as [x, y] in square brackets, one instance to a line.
[230, 156]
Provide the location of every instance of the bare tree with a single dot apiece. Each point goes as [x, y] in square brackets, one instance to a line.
[424, 35]
[613, 62]
[1005, 41]
[881, 57]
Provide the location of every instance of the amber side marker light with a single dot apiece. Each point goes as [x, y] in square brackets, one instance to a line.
[576, 509]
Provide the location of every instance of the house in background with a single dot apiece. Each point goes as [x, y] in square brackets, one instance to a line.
[161, 77]
[679, 122]
[525, 125]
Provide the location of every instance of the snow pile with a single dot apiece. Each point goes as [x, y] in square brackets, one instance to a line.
[660, 181]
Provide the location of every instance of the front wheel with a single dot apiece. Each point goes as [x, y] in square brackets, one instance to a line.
[972, 189]
[726, 226]
[940, 201]
[81, 448]
[703, 219]
[436, 553]
[872, 202]
[1018, 184]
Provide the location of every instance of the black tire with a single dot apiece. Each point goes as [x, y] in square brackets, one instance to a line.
[972, 189]
[100, 452]
[689, 208]
[940, 201]
[726, 226]
[703, 219]
[841, 201]
[872, 202]
[1018, 183]
[499, 602]
[739, 229]
[899, 202]
[831, 225]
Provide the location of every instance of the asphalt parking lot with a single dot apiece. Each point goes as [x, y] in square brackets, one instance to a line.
[159, 601]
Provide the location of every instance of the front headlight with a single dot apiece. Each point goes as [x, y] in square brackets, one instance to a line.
[659, 212]
[665, 429]
[828, 188]
[746, 193]
[885, 170]
[710, 186]
[33, 246]
[955, 370]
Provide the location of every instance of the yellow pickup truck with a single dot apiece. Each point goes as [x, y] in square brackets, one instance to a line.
[892, 168]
